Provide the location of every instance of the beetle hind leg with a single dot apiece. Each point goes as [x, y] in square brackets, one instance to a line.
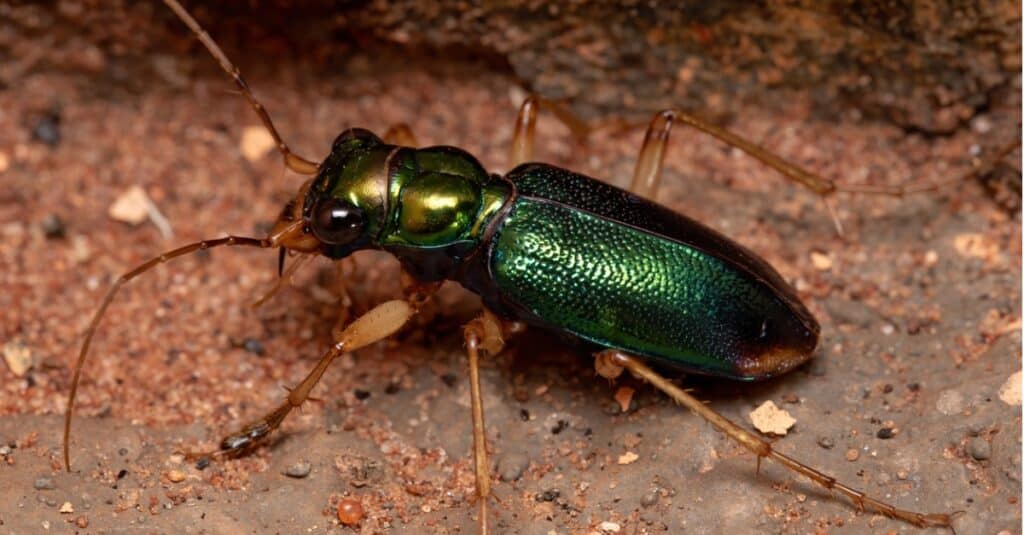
[612, 363]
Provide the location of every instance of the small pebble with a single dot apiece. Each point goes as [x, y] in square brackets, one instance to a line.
[53, 226]
[821, 261]
[624, 395]
[548, 495]
[610, 527]
[253, 346]
[175, 476]
[979, 448]
[66, 508]
[131, 207]
[852, 454]
[202, 463]
[350, 512]
[885, 433]
[769, 418]
[18, 357]
[298, 470]
[82, 522]
[628, 458]
[44, 483]
[47, 130]
[826, 442]
[649, 499]
[512, 465]
[1009, 393]
[256, 142]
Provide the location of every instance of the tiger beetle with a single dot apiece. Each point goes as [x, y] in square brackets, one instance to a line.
[545, 247]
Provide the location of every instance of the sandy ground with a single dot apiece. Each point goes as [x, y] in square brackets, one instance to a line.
[919, 308]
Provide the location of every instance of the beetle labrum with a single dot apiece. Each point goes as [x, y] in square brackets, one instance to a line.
[657, 287]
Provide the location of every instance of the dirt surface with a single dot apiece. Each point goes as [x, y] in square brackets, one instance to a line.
[919, 306]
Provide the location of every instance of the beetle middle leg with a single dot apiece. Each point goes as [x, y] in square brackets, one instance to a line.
[486, 333]
[611, 363]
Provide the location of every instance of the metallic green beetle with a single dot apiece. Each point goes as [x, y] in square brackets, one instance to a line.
[562, 251]
[542, 246]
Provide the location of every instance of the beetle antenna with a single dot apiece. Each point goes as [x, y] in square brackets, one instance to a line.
[121, 281]
[291, 160]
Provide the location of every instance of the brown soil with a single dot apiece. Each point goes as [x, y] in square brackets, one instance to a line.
[919, 306]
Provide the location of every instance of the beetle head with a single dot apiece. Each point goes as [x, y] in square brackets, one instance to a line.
[342, 209]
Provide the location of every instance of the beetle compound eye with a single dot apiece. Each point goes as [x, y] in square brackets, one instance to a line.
[336, 221]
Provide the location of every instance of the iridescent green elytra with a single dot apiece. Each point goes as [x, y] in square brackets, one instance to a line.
[568, 253]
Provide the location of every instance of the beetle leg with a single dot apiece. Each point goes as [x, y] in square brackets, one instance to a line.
[521, 150]
[647, 174]
[291, 160]
[379, 323]
[400, 134]
[616, 360]
[487, 333]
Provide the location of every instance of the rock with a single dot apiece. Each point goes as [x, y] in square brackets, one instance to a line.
[628, 458]
[769, 418]
[131, 207]
[256, 143]
[18, 357]
[253, 346]
[52, 226]
[1009, 393]
[651, 498]
[47, 129]
[44, 483]
[299, 470]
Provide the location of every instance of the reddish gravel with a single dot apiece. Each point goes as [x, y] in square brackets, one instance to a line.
[919, 308]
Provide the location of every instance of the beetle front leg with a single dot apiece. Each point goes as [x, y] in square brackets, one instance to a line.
[611, 363]
[379, 323]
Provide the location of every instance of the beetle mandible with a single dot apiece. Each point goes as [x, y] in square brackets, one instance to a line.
[657, 286]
